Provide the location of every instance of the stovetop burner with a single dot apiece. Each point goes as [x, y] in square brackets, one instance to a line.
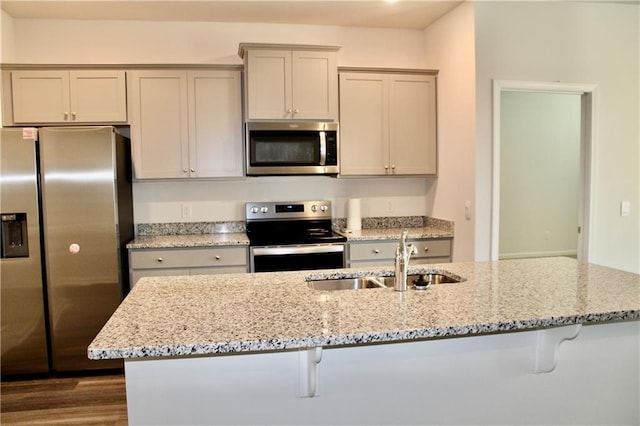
[290, 223]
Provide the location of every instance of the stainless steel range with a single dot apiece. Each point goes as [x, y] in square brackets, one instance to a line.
[292, 236]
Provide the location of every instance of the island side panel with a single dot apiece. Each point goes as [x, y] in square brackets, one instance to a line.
[481, 379]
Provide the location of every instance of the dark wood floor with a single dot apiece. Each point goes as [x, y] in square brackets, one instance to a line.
[86, 400]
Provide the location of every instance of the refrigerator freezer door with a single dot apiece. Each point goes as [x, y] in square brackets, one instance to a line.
[81, 239]
[23, 334]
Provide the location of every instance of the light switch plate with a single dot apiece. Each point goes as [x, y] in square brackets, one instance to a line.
[625, 208]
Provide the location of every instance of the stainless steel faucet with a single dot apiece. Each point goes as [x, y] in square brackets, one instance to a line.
[403, 253]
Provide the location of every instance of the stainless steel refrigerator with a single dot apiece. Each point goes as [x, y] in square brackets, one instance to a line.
[67, 213]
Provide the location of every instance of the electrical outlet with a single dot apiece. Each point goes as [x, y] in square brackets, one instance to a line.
[187, 210]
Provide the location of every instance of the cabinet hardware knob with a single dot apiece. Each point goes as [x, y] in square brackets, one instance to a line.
[288, 110]
[66, 115]
[376, 251]
[426, 249]
[393, 166]
[217, 257]
[193, 170]
[159, 260]
[73, 115]
[185, 171]
[295, 111]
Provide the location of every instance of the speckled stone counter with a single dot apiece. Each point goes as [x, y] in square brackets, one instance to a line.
[208, 234]
[189, 240]
[375, 234]
[199, 315]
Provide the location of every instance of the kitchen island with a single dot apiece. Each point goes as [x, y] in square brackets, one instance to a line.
[266, 348]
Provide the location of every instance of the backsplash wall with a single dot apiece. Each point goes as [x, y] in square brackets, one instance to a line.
[224, 200]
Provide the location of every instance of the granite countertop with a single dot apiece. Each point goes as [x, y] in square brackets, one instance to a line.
[376, 234]
[210, 314]
[189, 240]
[210, 234]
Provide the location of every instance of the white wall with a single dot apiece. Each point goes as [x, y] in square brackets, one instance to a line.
[114, 42]
[450, 48]
[133, 42]
[571, 42]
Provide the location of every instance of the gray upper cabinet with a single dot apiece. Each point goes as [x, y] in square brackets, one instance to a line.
[387, 124]
[186, 123]
[290, 82]
[68, 97]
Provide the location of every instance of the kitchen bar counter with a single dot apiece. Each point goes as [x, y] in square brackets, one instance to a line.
[199, 315]
[200, 349]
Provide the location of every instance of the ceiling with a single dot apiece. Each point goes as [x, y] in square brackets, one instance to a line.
[405, 14]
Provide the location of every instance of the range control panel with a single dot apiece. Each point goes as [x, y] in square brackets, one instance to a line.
[269, 210]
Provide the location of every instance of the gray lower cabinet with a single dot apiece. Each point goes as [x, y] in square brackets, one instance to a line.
[186, 261]
[382, 252]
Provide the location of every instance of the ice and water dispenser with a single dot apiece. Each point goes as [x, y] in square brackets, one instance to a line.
[15, 241]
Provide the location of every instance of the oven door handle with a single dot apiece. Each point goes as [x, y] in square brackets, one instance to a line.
[277, 251]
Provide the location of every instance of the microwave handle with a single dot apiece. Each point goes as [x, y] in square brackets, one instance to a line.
[323, 148]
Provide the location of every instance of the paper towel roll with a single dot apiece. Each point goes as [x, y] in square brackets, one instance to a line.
[354, 221]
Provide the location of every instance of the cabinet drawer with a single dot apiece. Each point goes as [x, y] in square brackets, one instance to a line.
[432, 248]
[187, 257]
[372, 250]
[384, 250]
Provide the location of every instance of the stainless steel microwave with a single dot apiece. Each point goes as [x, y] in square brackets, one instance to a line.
[292, 148]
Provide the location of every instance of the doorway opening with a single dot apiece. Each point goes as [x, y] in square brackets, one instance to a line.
[542, 144]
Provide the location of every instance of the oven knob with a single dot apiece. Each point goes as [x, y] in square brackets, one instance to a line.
[264, 209]
[324, 208]
[254, 209]
[314, 208]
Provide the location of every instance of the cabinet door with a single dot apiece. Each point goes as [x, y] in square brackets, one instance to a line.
[40, 96]
[412, 124]
[364, 133]
[98, 96]
[314, 85]
[268, 84]
[215, 123]
[159, 124]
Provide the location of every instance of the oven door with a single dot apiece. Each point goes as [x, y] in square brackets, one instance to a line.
[297, 258]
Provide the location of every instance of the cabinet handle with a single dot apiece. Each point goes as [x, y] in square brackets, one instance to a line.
[376, 251]
[159, 260]
[295, 111]
[217, 257]
[185, 171]
[66, 115]
[289, 111]
[73, 116]
[393, 166]
[193, 170]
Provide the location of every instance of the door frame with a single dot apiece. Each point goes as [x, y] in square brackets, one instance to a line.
[586, 204]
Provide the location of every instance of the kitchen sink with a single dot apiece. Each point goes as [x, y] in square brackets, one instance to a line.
[417, 281]
[349, 283]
